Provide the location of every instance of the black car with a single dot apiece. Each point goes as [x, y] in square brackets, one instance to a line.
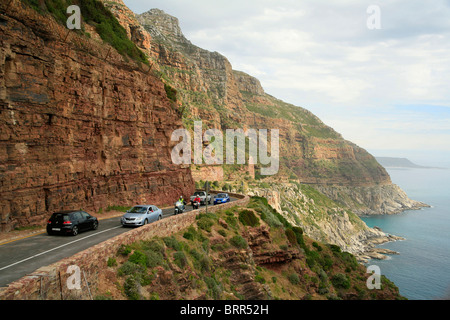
[71, 222]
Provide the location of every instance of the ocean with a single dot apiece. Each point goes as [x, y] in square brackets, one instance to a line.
[421, 271]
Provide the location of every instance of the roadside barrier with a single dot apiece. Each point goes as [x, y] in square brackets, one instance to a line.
[50, 282]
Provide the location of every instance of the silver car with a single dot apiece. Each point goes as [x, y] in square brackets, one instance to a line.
[141, 215]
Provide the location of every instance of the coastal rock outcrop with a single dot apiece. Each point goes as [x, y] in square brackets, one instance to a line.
[325, 220]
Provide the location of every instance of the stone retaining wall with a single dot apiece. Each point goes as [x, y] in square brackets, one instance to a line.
[50, 282]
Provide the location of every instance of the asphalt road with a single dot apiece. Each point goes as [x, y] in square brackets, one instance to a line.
[22, 257]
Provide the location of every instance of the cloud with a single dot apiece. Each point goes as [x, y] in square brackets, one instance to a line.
[320, 55]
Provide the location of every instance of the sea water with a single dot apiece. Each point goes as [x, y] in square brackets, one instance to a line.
[421, 271]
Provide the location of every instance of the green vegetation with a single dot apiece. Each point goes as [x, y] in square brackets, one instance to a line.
[208, 259]
[112, 262]
[180, 259]
[319, 198]
[205, 222]
[341, 281]
[239, 242]
[118, 208]
[171, 92]
[248, 218]
[124, 250]
[267, 213]
[294, 278]
[94, 13]
[56, 7]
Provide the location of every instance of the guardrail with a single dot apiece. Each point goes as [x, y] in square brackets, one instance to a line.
[49, 283]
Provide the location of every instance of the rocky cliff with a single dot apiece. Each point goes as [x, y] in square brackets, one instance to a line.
[323, 219]
[82, 126]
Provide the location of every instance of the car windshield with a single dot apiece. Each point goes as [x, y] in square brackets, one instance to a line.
[198, 193]
[221, 195]
[141, 210]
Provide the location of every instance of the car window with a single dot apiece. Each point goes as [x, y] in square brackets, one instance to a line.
[85, 215]
[138, 210]
[60, 216]
[76, 216]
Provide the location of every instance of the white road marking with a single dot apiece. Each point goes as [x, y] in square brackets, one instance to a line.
[64, 245]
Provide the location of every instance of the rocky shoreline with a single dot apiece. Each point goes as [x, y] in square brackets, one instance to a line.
[373, 252]
[337, 226]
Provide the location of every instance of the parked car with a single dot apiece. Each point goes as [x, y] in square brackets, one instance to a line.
[141, 215]
[221, 198]
[203, 197]
[71, 222]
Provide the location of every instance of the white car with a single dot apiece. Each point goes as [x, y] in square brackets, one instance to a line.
[141, 215]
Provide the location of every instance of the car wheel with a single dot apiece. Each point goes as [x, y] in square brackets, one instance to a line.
[145, 222]
[159, 218]
[74, 230]
[95, 225]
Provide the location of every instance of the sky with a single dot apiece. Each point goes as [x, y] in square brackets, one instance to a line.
[380, 77]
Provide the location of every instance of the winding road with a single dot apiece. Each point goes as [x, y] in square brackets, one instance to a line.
[23, 256]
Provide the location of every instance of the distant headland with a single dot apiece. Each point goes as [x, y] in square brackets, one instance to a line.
[390, 162]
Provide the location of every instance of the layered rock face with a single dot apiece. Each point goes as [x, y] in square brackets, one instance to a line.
[81, 128]
[205, 79]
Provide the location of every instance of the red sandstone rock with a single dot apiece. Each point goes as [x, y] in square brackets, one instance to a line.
[78, 131]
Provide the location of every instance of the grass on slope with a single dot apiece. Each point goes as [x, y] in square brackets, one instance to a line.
[94, 13]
